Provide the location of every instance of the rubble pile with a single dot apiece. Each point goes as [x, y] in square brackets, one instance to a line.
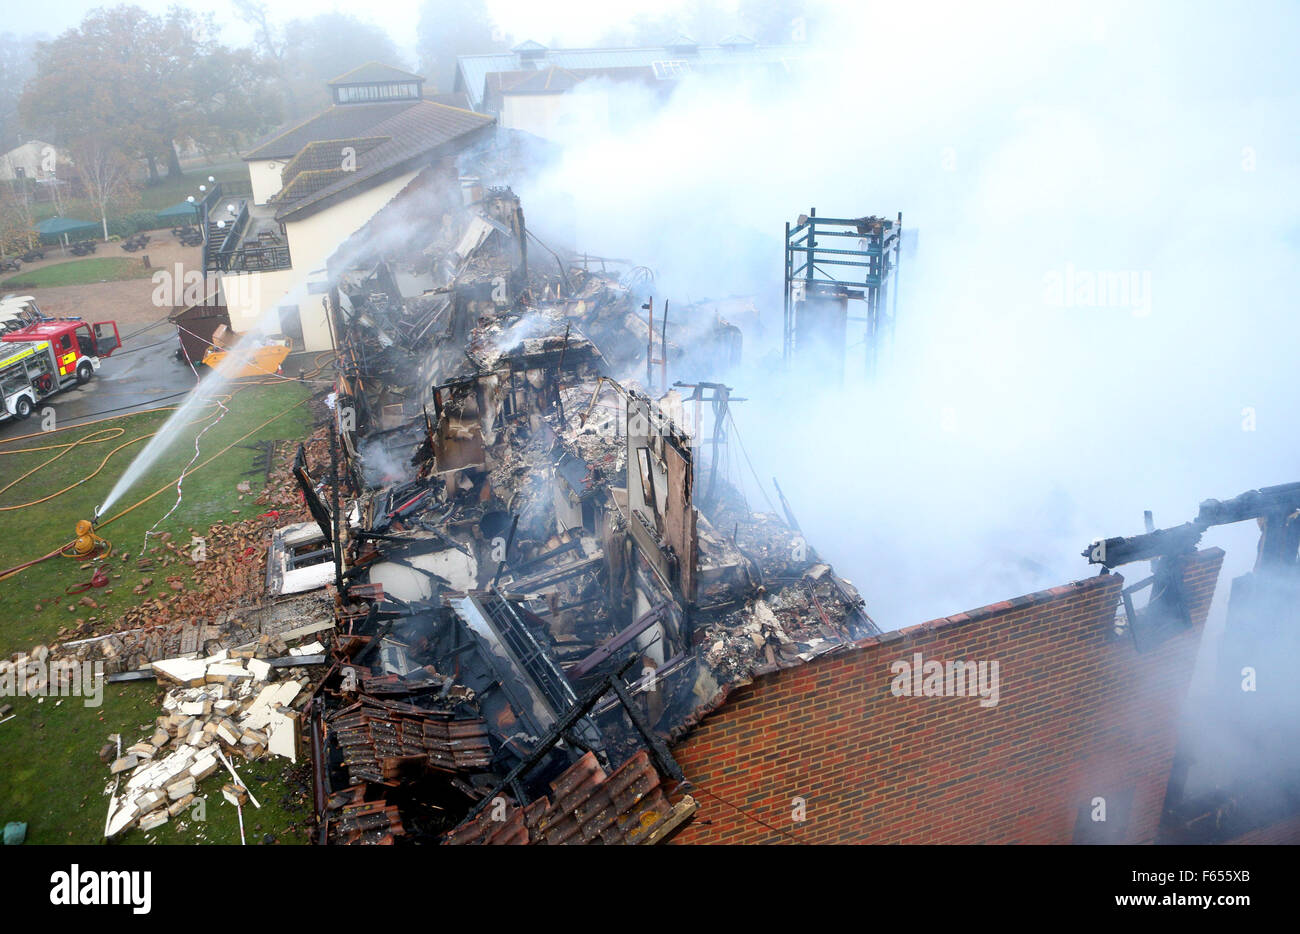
[381, 741]
[544, 586]
[629, 806]
[219, 707]
[228, 567]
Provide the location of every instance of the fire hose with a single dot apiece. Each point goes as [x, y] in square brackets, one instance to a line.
[10, 572]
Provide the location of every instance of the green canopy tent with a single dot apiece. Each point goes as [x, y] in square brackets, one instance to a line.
[182, 211]
[55, 227]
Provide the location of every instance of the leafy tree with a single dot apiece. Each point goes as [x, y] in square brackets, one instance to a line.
[140, 82]
[449, 28]
[306, 53]
[17, 223]
[326, 46]
[775, 22]
[17, 64]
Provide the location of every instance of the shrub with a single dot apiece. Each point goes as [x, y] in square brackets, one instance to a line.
[143, 220]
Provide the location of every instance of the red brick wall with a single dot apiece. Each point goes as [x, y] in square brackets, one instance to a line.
[1081, 714]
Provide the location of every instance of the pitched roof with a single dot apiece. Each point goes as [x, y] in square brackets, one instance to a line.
[344, 121]
[373, 73]
[472, 70]
[452, 99]
[549, 80]
[388, 148]
[328, 154]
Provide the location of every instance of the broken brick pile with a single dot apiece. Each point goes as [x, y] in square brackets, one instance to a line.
[231, 576]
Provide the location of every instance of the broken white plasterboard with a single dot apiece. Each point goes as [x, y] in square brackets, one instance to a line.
[312, 577]
[311, 628]
[283, 736]
[259, 669]
[187, 671]
[413, 582]
[476, 233]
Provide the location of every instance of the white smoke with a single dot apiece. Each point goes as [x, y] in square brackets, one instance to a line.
[1033, 148]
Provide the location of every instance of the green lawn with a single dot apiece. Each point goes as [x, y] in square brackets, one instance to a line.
[50, 773]
[80, 272]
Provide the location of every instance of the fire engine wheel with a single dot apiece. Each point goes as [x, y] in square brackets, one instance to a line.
[84, 372]
[23, 407]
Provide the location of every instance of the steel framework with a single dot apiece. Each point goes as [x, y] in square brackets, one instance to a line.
[835, 260]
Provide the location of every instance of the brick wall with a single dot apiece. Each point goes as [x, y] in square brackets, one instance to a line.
[1081, 714]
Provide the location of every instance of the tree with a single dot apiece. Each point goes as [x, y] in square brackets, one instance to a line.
[449, 28]
[140, 82]
[17, 64]
[644, 30]
[775, 22]
[105, 174]
[306, 53]
[326, 46]
[254, 12]
[17, 225]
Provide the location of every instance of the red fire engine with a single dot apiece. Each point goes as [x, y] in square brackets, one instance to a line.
[77, 345]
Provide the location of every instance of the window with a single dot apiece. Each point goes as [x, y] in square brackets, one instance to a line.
[315, 551]
[667, 70]
[647, 477]
[363, 93]
[12, 379]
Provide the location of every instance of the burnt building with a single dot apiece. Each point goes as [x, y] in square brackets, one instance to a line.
[559, 622]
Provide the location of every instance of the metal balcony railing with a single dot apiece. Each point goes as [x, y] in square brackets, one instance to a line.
[230, 254]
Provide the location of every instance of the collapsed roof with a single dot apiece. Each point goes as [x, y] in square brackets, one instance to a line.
[556, 584]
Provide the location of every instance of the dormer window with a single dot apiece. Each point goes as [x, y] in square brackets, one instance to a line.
[683, 47]
[737, 43]
[375, 83]
[530, 53]
[369, 93]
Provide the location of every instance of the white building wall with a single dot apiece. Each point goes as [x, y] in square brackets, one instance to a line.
[254, 296]
[265, 177]
[33, 158]
[550, 115]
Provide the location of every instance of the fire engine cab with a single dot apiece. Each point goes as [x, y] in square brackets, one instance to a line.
[77, 345]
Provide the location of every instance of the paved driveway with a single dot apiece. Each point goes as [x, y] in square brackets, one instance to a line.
[130, 380]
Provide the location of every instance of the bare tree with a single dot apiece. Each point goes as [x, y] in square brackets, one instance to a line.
[105, 175]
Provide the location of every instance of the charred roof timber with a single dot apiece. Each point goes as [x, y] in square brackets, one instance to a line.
[1274, 505]
[1166, 611]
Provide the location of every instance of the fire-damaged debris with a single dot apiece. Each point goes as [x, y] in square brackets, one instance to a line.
[383, 741]
[549, 575]
[628, 806]
[1275, 508]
